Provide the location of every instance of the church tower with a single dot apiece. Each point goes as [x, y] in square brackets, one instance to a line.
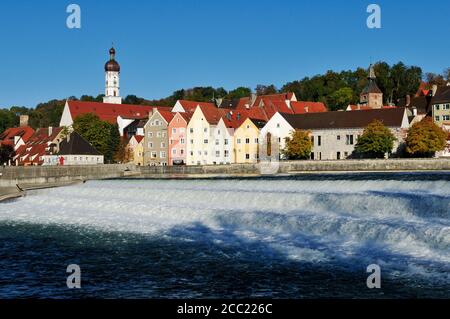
[372, 96]
[112, 77]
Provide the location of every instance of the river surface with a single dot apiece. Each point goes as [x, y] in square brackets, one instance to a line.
[308, 236]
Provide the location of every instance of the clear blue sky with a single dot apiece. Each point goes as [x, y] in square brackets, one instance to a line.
[165, 45]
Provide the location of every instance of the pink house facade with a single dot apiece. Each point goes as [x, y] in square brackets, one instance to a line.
[177, 138]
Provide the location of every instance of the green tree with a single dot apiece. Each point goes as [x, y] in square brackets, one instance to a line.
[376, 141]
[6, 154]
[298, 146]
[114, 144]
[425, 138]
[238, 93]
[266, 89]
[341, 99]
[7, 120]
[101, 134]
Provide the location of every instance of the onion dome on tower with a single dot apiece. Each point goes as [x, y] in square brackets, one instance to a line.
[112, 65]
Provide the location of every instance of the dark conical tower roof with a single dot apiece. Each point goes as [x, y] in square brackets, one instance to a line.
[372, 86]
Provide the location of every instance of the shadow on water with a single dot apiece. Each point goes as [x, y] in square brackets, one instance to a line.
[192, 261]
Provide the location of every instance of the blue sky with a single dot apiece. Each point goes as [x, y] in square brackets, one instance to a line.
[165, 45]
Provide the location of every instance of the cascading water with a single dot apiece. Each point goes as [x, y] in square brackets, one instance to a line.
[295, 237]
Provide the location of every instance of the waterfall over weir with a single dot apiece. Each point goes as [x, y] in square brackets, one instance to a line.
[296, 237]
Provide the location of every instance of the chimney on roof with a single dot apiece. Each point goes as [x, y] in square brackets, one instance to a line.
[306, 109]
[24, 120]
[408, 100]
[50, 131]
[414, 111]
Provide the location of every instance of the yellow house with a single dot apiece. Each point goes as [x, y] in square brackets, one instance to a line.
[246, 141]
[135, 150]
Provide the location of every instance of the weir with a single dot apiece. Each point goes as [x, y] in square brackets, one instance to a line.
[43, 176]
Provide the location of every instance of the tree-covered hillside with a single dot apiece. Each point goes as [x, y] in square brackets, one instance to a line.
[336, 89]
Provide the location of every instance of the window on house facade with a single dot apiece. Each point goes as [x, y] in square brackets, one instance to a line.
[182, 151]
[350, 140]
[158, 134]
[338, 137]
[319, 140]
[150, 145]
[217, 153]
[163, 154]
[154, 155]
[174, 131]
[150, 134]
[192, 141]
[437, 118]
[226, 153]
[447, 106]
[225, 142]
[247, 156]
[247, 141]
[256, 140]
[182, 141]
[182, 130]
[205, 130]
[163, 145]
[437, 107]
[217, 142]
[446, 117]
[191, 130]
[238, 141]
[205, 141]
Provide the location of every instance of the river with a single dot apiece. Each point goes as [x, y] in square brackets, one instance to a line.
[305, 236]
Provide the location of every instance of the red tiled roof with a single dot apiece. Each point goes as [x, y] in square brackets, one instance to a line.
[139, 138]
[191, 105]
[313, 107]
[212, 113]
[187, 115]
[7, 137]
[37, 146]
[167, 115]
[109, 112]
[367, 108]
[234, 118]
[274, 97]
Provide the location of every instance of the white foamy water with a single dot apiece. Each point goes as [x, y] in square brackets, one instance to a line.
[402, 225]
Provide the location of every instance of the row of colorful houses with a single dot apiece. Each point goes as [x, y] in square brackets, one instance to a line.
[226, 131]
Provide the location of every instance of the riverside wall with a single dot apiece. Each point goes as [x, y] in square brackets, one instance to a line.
[42, 175]
[60, 175]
